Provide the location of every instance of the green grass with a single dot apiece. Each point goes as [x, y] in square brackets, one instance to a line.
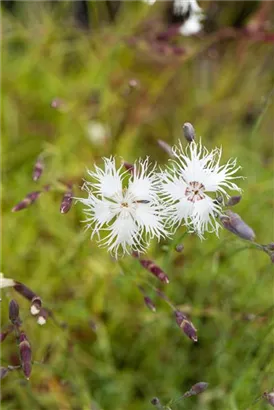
[225, 88]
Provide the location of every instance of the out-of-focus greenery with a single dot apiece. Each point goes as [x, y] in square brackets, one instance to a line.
[222, 82]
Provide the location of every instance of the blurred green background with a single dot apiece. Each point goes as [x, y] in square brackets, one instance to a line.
[111, 80]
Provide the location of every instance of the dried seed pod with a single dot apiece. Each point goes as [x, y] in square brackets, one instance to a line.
[189, 131]
[149, 303]
[25, 354]
[166, 147]
[38, 169]
[234, 223]
[129, 167]
[27, 201]
[36, 304]
[196, 389]
[66, 202]
[155, 270]
[186, 325]
[3, 372]
[234, 200]
[14, 313]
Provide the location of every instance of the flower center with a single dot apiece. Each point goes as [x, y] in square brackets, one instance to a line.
[195, 191]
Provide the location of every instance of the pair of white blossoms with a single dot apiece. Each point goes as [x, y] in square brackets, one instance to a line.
[127, 209]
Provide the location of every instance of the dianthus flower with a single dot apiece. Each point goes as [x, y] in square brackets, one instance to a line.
[193, 175]
[122, 208]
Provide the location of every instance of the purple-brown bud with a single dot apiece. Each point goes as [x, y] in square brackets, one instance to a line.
[25, 354]
[269, 397]
[271, 256]
[27, 201]
[234, 200]
[156, 402]
[270, 246]
[155, 270]
[189, 131]
[149, 303]
[166, 147]
[179, 248]
[196, 389]
[129, 167]
[187, 327]
[234, 223]
[42, 316]
[36, 304]
[5, 333]
[14, 313]
[66, 202]
[3, 372]
[24, 291]
[38, 169]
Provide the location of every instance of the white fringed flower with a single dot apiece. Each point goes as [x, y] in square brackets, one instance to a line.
[193, 174]
[125, 207]
[181, 7]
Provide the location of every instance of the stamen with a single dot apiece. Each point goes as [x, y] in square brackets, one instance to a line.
[194, 192]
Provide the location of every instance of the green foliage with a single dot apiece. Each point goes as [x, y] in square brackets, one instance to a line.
[224, 86]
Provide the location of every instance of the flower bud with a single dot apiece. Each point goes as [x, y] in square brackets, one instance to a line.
[36, 304]
[234, 200]
[272, 257]
[3, 372]
[270, 246]
[129, 167]
[133, 83]
[14, 313]
[38, 169]
[42, 317]
[186, 326]
[5, 333]
[149, 303]
[234, 223]
[196, 389]
[66, 202]
[189, 131]
[25, 354]
[166, 147]
[24, 291]
[179, 248]
[27, 201]
[269, 397]
[155, 270]
[156, 402]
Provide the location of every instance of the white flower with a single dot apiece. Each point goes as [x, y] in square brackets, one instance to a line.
[192, 25]
[125, 206]
[97, 132]
[181, 7]
[187, 183]
[5, 282]
[150, 2]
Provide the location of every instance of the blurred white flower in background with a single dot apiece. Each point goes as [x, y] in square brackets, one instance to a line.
[97, 132]
[192, 175]
[150, 2]
[193, 23]
[125, 206]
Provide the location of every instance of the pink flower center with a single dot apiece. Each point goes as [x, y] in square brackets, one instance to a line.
[195, 191]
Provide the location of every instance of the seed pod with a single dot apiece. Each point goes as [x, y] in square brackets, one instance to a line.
[25, 354]
[36, 304]
[27, 201]
[149, 303]
[14, 313]
[3, 372]
[38, 169]
[129, 167]
[189, 131]
[166, 147]
[66, 202]
[234, 200]
[186, 326]
[196, 389]
[155, 270]
[234, 223]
